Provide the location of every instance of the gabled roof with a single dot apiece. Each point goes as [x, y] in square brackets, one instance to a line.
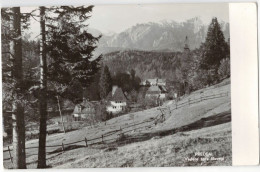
[117, 96]
[86, 106]
[154, 81]
[154, 88]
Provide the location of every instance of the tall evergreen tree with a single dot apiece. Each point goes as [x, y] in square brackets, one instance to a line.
[43, 92]
[17, 108]
[105, 83]
[14, 87]
[215, 48]
[69, 47]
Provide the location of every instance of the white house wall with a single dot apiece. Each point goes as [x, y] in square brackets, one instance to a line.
[162, 96]
[116, 107]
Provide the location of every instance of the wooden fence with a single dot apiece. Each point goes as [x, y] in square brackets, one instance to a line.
[122, 130]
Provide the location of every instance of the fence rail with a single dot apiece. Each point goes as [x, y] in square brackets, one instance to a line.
[122, 130]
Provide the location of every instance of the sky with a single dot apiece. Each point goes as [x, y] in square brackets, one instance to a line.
[117, 18]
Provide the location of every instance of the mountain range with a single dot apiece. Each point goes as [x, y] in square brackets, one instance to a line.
[161, 36]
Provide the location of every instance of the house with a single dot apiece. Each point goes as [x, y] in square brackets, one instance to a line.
[84, 110]
[116, 101]
[156, 91]
[152, 82]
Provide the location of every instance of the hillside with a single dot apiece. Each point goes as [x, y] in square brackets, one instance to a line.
[169, 151]
[203, 126]
[147, 64]
[165, 35]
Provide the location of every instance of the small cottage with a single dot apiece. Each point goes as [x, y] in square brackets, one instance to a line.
[83, 111]
[156, 91]
[116, 101]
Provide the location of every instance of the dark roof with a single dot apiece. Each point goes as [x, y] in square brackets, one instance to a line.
[117, 96]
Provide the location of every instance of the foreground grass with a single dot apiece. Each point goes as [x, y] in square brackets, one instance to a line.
[179, 149]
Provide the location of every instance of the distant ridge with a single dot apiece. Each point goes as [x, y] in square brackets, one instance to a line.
[164, 36]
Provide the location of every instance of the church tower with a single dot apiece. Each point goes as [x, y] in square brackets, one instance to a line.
[186, 45]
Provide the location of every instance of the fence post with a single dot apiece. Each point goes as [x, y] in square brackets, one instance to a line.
[62, 146]
[120, 131]
[86, 142]
[176, 104]
[11, 158]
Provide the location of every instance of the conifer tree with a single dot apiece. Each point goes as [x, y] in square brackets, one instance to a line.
[43, 92]
[105, 83]
[14, 88]
[215, 48]
[69, 47]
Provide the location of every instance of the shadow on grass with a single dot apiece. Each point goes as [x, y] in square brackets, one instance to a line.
[220, 118]
[124, 139]
[66, 148]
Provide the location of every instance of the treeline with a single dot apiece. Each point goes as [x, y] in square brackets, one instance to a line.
[98, 90]
[147, 64]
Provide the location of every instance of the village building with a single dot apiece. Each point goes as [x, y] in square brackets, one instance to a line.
[156, 91]
[153, 82]
[83, 111]
[116, 101]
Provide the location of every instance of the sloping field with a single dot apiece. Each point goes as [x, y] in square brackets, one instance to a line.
[174, 150]
[202, 113]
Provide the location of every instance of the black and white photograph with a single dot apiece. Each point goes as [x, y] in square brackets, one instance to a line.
[115, 86]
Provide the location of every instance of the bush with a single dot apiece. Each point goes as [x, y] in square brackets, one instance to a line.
[149, 102]
[224, 68]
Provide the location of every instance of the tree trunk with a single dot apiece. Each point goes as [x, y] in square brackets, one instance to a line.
[61, 117]
[43, 93]
[19, 158]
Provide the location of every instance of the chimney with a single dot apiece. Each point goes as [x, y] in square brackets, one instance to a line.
[114, 89]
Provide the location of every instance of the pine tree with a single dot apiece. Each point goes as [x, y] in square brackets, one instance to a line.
[43, 93]
[14, 87]
[69, 47]
[215, 48]
[17, 108]
[105, 83]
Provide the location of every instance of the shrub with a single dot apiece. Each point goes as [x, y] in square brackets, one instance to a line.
[224, 68]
